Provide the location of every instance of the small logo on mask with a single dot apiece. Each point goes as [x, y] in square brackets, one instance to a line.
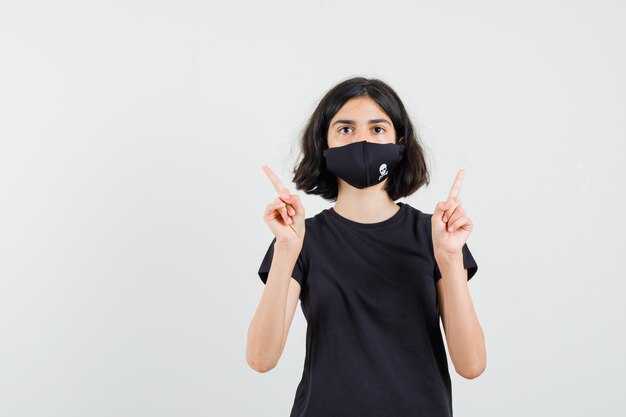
[383, 171]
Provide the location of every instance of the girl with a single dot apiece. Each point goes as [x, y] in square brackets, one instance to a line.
[373, 276]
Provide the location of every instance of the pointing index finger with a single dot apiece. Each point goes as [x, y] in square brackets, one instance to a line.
[456, 186]
[278, 185]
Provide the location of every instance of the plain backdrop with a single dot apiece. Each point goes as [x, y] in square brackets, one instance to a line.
[132, 136]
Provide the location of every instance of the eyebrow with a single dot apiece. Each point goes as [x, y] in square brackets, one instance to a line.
[352, 122]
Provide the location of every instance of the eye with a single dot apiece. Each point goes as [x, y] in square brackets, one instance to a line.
[379, 127]
[345, 127]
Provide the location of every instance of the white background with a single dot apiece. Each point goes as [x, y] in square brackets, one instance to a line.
[132, 136]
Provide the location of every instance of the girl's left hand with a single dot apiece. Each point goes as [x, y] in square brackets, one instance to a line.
[450, 225]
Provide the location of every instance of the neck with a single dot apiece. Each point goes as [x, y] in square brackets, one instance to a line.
[367, 205]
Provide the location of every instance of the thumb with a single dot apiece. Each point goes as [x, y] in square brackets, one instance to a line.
[440, 208]
[295, 202]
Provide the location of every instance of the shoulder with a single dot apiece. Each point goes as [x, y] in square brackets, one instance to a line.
[418, 214]
[420, 222]
[313, 225]
[315, 220]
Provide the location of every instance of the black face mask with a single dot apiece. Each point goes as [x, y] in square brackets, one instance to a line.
[363, 164]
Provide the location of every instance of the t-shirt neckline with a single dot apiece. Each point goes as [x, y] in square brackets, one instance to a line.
[396, 216]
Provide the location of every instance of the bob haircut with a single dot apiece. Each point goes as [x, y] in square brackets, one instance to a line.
[310, 173]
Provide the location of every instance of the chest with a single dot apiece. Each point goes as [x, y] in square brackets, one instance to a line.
[383, 274]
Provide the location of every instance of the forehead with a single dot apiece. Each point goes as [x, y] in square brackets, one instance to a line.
[360, 109]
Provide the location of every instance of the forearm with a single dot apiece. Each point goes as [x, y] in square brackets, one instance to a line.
[266, 331]
[464, 334]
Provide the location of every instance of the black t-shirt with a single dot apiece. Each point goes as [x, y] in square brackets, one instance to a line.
[374, 345]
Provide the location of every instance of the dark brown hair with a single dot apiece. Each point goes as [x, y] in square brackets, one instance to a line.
[310, 173]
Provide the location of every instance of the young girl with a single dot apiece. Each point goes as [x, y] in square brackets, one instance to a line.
[373, 276]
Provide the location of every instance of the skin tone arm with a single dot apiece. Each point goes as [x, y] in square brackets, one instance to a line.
[268, 330]
[270, 325]
[464, 335]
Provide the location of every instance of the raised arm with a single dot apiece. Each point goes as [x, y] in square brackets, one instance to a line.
[268, 330]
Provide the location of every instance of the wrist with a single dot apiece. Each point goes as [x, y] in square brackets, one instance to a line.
[446, 258]
[289, 247]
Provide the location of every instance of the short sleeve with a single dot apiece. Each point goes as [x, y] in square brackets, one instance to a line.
[299, 270]
[469, 263]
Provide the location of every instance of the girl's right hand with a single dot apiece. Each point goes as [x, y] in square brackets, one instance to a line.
[285, 215]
